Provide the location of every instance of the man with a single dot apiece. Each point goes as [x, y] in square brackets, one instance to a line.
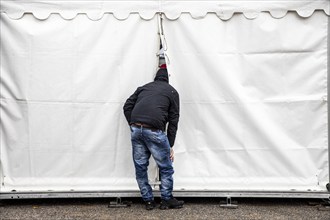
[147, 111]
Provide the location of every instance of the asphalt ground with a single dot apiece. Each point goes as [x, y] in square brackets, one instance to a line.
[194, 208]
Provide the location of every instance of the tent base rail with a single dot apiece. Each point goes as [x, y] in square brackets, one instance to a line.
[183, 193]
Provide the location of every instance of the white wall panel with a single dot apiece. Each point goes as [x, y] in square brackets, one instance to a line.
[253, 102]
[63, 85]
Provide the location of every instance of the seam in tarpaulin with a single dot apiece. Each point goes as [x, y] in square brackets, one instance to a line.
[162, 37]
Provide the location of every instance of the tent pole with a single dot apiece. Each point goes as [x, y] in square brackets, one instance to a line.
[328, 94]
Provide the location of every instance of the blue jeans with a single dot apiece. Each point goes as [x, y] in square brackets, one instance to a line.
[146, 142]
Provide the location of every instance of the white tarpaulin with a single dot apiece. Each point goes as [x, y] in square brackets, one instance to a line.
[63, 84]
[253, 101]
[253, 93]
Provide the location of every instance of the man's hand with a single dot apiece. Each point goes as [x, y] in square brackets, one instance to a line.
[172, 154]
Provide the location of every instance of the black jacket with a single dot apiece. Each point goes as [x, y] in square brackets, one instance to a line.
[155, 104]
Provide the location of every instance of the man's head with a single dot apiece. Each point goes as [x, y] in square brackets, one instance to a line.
[161, 75]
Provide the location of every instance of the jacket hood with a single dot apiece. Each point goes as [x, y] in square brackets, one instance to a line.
[162, 75]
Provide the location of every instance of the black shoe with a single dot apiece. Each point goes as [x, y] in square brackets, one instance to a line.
[171, 204]
[150, 205]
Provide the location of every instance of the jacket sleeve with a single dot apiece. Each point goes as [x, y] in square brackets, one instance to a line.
[130, 103]
[174, 114]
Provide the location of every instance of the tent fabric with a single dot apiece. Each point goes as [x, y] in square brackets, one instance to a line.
[63, 85]
[225, 9]
[253, 101]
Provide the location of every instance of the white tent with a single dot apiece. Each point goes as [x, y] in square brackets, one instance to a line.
[252, 78]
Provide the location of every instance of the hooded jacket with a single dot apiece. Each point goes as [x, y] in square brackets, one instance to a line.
[155, 104]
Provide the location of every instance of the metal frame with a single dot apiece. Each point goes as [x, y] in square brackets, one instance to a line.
[206, 193]
[328, 90]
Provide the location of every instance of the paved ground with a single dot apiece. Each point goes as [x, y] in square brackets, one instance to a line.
[195, 208]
